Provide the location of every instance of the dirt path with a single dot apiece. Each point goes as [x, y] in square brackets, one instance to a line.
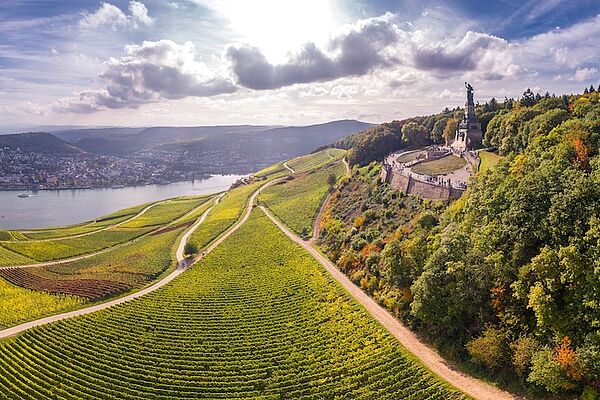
[316, 223]
[429, 357]
[285, 164]
[105, 250]
[182, 264]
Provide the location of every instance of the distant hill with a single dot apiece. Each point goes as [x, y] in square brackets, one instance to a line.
[121, 141]
[291, 140]
[253, 140]
[38, 142]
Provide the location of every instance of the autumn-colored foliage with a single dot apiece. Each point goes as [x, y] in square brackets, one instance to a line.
[566, 356]
[581, 158]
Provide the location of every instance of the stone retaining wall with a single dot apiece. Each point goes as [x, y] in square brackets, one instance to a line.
[409, 185]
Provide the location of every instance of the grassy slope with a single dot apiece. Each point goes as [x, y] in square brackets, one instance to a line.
[297, 202]
[133, 266]
[266, 322]
[315, 160]
[488, 160]
[407, 157]
[440, 166]
[99, 223]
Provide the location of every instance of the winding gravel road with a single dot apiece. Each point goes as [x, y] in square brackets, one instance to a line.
[429, 357]
[182, 264]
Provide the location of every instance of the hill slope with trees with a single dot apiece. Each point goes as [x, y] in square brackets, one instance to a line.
[506, 279]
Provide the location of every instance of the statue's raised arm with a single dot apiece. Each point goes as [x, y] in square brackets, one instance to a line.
[469, 93]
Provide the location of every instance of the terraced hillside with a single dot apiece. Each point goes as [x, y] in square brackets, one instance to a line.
[266, 322]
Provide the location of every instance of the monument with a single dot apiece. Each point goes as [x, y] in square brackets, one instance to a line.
[468, 135]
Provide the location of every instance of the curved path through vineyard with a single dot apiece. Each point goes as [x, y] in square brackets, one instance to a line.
[182, 264]
[107, 249]
[98, 230]
[285, 164]
[429, 357]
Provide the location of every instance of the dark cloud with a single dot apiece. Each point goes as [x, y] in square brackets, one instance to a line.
[352, 54]
[460, 57]
[150, 72]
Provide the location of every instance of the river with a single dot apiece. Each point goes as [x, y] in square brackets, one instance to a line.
[48, 208]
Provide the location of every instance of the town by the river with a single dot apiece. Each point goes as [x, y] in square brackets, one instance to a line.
[48, 208]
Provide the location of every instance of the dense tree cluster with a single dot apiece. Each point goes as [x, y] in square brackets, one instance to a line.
[508, 277]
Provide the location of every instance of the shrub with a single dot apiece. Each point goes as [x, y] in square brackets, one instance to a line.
[489, 349]
[523, 350]
[190, 249]
[548, 373]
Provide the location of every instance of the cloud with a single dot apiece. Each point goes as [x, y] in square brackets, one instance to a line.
[353, 53]
[583, 74]
[473, 50]
[109, 15]
[147, 73]
[570, 47]
[372, 44]
[139, 13]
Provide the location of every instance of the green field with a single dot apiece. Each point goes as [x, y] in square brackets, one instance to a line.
[104, 275]
[8, 257]
[134, 264]
[440, 166]
[19, 305]
[266, 322]
[410, 156]
[488, 160]
[272, 171]
[315, 160]
[70, 247]
[165, 212]
[296, 202]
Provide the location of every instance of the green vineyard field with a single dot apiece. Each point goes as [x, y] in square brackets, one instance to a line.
[266, 322]
[18, 304]
[315, 160]
[296, 202]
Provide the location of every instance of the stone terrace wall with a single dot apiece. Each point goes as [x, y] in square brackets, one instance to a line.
[409, 185]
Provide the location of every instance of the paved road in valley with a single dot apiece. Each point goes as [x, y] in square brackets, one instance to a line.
[429, 357]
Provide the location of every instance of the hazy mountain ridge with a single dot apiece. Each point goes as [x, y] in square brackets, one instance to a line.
[248, 139]
[38, 142]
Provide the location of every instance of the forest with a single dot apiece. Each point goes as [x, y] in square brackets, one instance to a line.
[506, 280]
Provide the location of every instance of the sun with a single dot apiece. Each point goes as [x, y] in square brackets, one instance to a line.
[279, 26]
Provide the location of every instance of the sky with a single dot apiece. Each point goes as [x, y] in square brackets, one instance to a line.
[282, 62]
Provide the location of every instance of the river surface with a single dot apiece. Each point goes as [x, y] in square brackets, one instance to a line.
[48, 208]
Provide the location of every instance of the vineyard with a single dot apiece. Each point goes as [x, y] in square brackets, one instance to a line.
[297, 201]
[104, 275]
[86, 227]
[223, 215]
[65, 248]
[19, 304]
[316, 160]
[267, 322]
[28, 251]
